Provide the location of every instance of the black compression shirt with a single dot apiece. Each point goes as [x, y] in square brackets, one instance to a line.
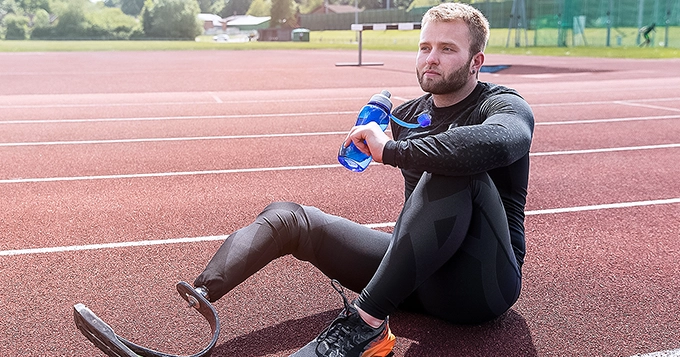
[489, 131]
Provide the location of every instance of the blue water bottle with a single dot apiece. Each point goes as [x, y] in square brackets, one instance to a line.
[377, 110]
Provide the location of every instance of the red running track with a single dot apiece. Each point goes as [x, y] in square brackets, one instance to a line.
[139, 150]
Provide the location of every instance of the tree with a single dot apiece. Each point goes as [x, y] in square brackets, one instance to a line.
[16, 27]
[260, 8]
[72, 23]
[129, 7]
[9, 7]
[31, 6]
[236, 7]
[204, 5]
[41, 18]
[171, 19]
[309, 5]
[82, 19]
[283, 13]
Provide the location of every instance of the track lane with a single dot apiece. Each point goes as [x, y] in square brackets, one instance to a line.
[585, 270]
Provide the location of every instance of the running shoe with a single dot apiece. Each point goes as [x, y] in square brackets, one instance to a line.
[349, 336]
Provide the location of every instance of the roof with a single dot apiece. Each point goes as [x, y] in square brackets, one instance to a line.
[216, 20]
[246, 20]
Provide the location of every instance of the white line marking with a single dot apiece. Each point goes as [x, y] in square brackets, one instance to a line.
[609, 120]
[667, 353]
[187, 138]
[169, 174]
[593, 151]
[189, 117]
[216, 97]
[285, 168]
[256, 136]
[193, 102]
[600, 102]
[373, 225]
[632, 104]
[109, 245]
[603, 206]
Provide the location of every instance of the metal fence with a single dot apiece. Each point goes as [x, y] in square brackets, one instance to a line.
[547, 22]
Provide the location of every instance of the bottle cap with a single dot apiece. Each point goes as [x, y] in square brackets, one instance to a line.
[383, 99]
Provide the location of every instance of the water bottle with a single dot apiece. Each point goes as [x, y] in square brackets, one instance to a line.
[377, 110]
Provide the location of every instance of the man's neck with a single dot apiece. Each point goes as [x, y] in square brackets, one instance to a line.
[449, 99]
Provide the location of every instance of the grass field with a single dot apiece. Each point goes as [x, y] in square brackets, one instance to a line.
[623, 46]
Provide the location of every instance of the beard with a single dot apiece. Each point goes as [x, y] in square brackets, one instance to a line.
[448, 84]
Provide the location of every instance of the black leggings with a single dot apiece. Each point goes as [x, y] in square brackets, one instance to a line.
[449, 255]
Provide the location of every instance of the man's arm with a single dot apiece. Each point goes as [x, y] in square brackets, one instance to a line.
[503, 138]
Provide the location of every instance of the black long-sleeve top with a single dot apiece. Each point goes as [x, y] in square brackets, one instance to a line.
[489, 131]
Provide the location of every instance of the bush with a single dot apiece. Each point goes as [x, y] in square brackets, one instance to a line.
[171, 19]
[16, 27]
[97, 23]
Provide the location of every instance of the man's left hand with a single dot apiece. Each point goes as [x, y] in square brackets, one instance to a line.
[369, 138]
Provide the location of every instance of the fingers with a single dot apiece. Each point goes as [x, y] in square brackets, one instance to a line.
[369, 139]
[357, 135]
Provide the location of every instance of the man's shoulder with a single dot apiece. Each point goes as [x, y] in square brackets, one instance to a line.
[492, 89]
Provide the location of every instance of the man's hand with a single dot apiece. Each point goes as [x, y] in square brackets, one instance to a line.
[369, 138]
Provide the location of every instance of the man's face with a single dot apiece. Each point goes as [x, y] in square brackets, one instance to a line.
[443, 64]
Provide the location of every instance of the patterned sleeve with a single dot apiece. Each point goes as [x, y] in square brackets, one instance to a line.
[501, 139]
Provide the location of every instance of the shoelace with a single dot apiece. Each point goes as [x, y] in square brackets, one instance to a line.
[334, 333]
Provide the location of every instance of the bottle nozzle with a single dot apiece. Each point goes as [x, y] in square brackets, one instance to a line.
[383, 100]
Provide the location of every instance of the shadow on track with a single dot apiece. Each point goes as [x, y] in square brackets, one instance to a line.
[417, 335]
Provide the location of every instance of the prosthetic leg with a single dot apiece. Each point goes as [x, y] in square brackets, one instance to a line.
[102, 335]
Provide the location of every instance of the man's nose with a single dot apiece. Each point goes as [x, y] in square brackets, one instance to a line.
[432, 58]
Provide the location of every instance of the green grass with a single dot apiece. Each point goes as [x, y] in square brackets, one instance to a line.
[376, 40]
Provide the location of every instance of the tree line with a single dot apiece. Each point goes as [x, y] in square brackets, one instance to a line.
[150, 19]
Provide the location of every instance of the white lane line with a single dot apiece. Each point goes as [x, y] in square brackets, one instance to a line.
[633, 104]
[372, 225]
[167, 174]
[604, 206]
[601, 150]
[109, 245]
[188, 117]
[257, 136]
[286, 168]
[608, 120]
[601, 102]
[213, 95]
[148, 140]
[667, 353]
[237, 116]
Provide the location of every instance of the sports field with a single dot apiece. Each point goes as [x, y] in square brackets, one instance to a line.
[122, 172]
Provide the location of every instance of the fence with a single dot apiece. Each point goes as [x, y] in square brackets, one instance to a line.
[546, 22]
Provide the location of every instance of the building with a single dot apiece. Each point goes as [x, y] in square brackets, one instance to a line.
[212, 24]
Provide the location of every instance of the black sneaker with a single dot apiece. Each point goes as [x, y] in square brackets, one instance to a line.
[349, 336]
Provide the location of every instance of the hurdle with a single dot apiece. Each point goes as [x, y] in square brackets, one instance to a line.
[376, 27]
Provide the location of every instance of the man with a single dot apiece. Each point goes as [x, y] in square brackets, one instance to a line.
[646, 31]
[458, 246]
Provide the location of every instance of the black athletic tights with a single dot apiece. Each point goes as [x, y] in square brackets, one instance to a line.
[449, 255]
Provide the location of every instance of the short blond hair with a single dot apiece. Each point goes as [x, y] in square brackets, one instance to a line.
[473, 18]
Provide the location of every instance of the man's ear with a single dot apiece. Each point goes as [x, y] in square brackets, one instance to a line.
[477, 62]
